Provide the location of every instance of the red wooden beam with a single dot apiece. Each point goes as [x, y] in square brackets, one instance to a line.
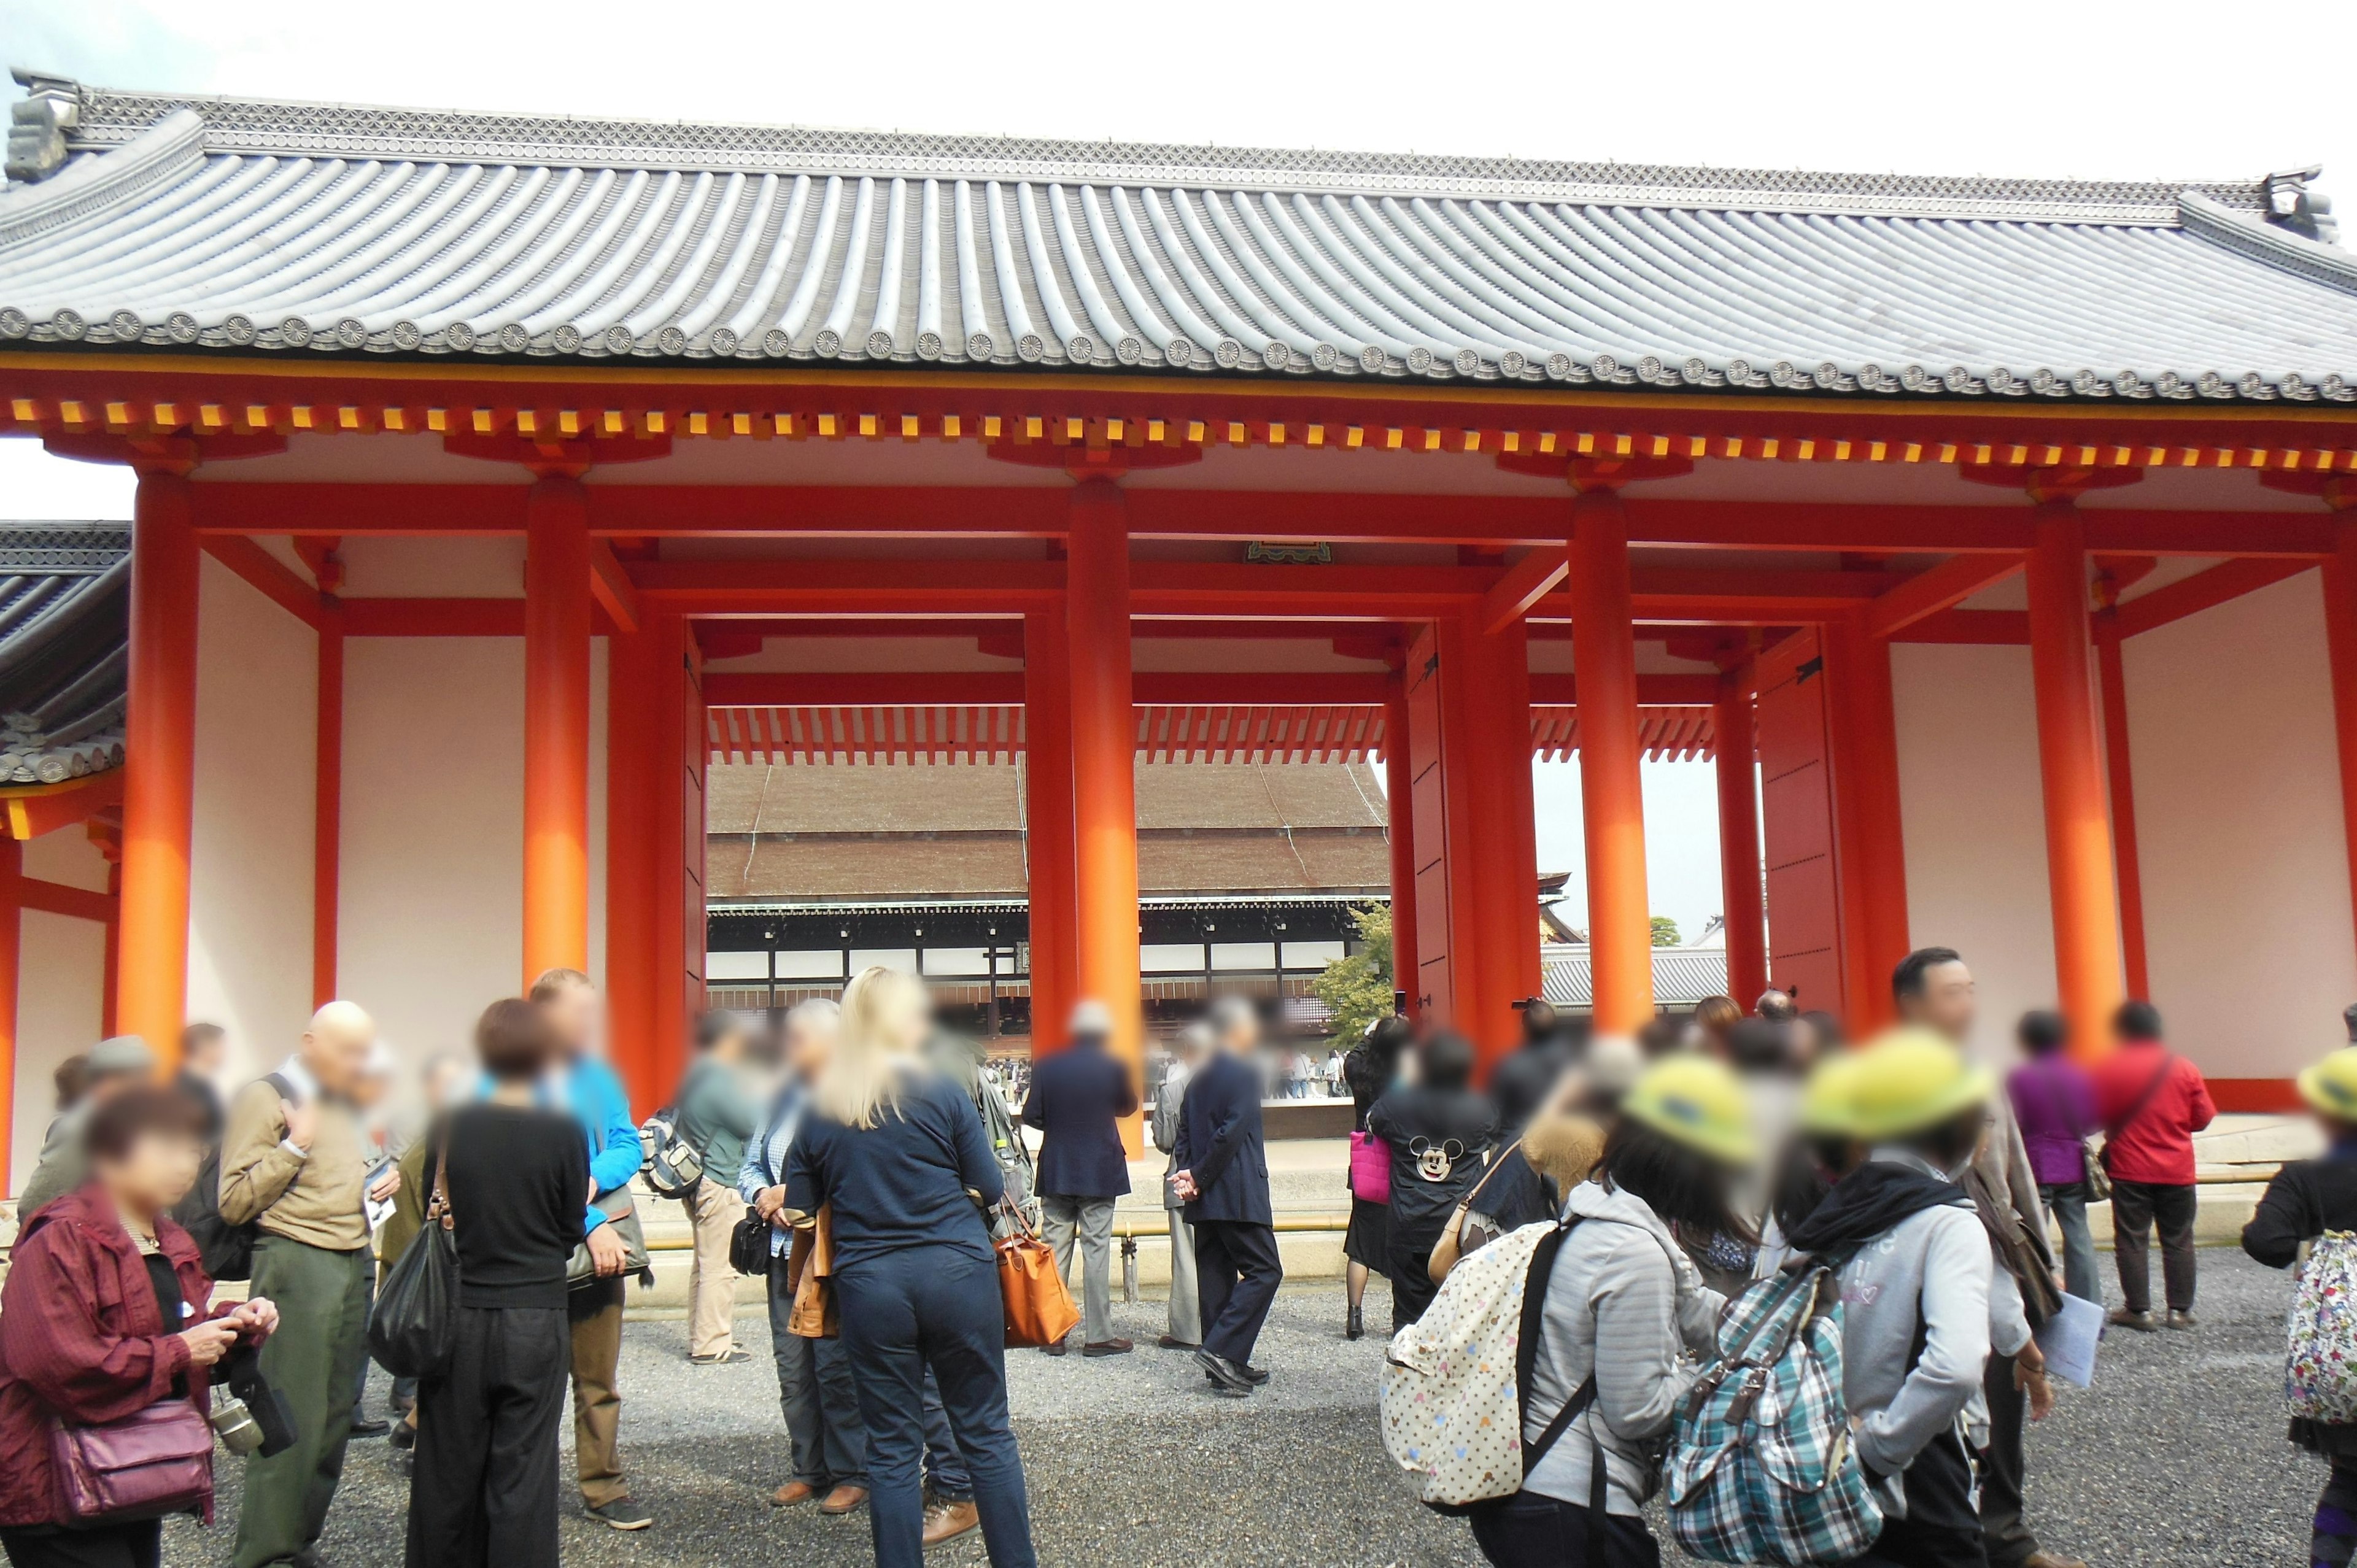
[1942, 587]
[969, 688]
[433, 618]
[39, 808]
[2201, 591]
[609, 583]
[74, 903]
[632, 510]
[880, 586]
[1652, 691]
[1528, 581]
[271, 576]
[1988, 627]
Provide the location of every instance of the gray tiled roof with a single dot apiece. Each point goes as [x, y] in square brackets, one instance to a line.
[1682, 976]
[177, 221]
[65, 617]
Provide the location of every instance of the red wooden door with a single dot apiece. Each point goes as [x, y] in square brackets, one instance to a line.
[1804, 939]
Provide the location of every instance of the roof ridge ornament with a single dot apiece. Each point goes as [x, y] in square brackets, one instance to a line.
[37, 126]
[2278, 243]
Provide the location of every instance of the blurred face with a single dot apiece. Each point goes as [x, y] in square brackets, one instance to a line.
[336, 1046]
[810, 1046]
[205, 1056]
[156, 1172]
[1946, 1003]
[445, 1083]
[574, 1012]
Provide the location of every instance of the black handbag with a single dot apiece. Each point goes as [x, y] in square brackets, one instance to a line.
[410, 1327]
[749, 1244]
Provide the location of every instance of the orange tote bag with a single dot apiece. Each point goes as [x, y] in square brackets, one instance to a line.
[1040, 1309]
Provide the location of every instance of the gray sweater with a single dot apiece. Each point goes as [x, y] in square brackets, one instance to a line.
[1934, 1267]
[1625, 1302]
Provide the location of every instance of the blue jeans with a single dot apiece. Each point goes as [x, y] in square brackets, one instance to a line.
[2068, 1202]
[935, 1309]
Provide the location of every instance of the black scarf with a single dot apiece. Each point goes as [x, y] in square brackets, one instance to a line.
[1870, 1200]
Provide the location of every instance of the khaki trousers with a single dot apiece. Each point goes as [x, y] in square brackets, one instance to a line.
[596, 1313]
[713, 1210]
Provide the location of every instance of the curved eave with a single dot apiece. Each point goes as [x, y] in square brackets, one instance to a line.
[169, 243]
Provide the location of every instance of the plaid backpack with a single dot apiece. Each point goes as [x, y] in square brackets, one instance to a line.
[2320, 1331]
[1456, 1382]
[1761, 1466]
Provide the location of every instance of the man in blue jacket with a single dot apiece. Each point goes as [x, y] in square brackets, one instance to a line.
[1223, 1179]
[1078, 1098]
[596, 1096]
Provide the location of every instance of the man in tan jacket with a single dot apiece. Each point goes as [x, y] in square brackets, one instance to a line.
[292, 1167]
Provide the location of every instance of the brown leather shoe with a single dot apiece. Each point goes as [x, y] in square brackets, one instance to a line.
[843, 1499]
[2042, 1558]
[1108, 1348]
[947, 1520]
[793, 1492]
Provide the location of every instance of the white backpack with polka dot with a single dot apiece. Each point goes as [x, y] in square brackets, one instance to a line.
[1454, 1386]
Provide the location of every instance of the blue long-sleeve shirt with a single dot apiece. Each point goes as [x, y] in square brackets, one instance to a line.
[597, 1099]
[766, 1156]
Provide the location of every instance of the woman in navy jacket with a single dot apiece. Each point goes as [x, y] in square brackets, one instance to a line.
[898, 1154]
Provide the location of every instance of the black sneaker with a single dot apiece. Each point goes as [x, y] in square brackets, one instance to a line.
[622, 1513]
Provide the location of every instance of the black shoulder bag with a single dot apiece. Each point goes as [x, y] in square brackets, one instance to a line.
[410, 1327]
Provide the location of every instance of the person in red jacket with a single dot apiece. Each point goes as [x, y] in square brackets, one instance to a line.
[104, 1314]
[2151, 1101]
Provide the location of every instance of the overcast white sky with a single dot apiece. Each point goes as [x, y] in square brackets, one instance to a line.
[2088, 89]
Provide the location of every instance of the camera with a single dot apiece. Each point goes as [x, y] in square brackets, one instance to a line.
[249, 1415]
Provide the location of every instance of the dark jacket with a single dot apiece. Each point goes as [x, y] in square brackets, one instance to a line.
[2304, 1199]
[1437, 1138]
[1220, 1143]
[1078, 1098]
[81, 1337]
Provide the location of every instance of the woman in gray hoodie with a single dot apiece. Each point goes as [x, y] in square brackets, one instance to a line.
[1626, 1310]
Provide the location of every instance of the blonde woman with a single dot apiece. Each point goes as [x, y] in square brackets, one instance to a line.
[899, 1154]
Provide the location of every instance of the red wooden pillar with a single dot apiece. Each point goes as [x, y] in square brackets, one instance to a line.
[1105, 762]
[2087, 954]
[1870, 851]
[1399, 810]
[12, 928]
[327, 802]
[2120, 773]
[159, 778]
[1047, 822]
[556, 727]
[1740, 879]
[1620, 921]
[636, 667]
[2340, 645]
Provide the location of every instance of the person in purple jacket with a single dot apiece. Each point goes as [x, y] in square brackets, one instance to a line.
[2054, 1102]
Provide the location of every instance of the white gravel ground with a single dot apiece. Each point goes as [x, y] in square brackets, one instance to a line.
[2176, 1458]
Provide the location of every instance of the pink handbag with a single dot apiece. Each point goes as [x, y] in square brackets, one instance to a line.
[156, 1462]
[1371, 1168]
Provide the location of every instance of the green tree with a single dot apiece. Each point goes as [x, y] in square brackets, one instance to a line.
[1357, 989]
[1665, 932]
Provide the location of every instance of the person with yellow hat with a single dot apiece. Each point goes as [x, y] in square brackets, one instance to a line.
[1917, 1274]
[1625, 1307]
[1817, 1155]
[2314, 1203]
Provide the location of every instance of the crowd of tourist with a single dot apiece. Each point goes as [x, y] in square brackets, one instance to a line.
[865, 1162]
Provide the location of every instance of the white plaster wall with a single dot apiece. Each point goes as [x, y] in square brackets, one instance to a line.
[249, 852]
[61, 988]
[1974, 823]
[2238, 822]
[432, 878]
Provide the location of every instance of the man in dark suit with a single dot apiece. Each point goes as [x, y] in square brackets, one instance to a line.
[1222, 1175]
[1078, 1098]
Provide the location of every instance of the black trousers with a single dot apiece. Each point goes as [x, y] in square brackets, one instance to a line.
[138, 1546]
[1940, 1530]
[2137, 1207]
[1411, 1274]
[1236, 1276]
[1528, 1530]
[484, 1485]
[2004, 1529]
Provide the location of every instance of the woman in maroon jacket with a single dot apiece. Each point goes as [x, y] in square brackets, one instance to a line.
[104, 1314]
